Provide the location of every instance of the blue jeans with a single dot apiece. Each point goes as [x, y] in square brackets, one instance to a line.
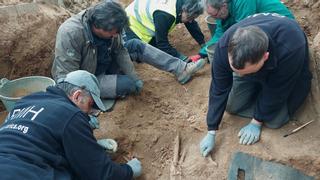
[145, 53]
[116, 84]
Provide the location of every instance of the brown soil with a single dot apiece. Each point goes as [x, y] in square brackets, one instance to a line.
[21, 93]
[146, 125]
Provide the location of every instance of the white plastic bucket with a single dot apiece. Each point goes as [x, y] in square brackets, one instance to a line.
[12, 91]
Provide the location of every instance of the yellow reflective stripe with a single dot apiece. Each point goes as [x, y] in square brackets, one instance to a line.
[148, 11]
[173, 25]
[142, 19]
[139, 30]
[141, 16]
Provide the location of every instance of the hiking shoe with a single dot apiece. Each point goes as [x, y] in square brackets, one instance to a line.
[187, 60]
[191, 68]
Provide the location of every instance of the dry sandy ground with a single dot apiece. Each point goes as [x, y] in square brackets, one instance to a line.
[147, 125]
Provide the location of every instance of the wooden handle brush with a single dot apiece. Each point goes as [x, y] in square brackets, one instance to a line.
[298, 128]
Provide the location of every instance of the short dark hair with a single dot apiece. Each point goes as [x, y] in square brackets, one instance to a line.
[247, 45]
[108, 15]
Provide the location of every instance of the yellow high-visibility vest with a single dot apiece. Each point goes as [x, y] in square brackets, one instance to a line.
[140, 14]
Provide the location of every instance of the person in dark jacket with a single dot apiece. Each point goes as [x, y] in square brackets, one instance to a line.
[152, 20]
[261, 71]
[47, 135]
[92, 41]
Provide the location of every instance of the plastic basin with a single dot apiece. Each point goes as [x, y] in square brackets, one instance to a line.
[12, 91]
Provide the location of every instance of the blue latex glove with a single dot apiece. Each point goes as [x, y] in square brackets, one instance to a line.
[94, 122]
[207, 144]
[135, 165]
[139, 85]
[250, 134]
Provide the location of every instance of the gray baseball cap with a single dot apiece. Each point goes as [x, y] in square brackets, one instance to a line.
[87, 80]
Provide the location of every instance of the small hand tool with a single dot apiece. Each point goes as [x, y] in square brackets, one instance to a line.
[298, 128]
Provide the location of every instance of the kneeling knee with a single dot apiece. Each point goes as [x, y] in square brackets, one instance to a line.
[125, 86]
[232, 109]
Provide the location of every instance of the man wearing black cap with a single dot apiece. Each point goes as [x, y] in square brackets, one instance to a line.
[47, 135]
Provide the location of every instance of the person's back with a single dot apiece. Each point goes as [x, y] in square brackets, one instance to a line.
[31, 139]
[285, 37]
[261, 71]
[47, 135]
[73, 33]
[152, 21]
[238, 10]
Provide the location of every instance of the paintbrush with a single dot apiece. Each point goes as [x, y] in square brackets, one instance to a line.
[298, 128]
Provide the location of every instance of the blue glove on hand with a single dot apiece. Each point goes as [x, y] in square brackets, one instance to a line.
[94, 122]
[250, 134]
[207, 144]
[139, 85]
[135, 165]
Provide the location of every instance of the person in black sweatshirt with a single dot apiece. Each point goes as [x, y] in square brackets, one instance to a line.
[47, 135]
[261, 71]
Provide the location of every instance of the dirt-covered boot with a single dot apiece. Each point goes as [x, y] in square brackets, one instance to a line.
[190, 69]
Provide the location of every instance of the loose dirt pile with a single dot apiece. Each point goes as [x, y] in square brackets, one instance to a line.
[146, 125]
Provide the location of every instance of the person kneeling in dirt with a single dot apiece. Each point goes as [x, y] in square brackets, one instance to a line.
[47, 135]
[227, 13]
[162, 17]
[91, 41]
[261, 71]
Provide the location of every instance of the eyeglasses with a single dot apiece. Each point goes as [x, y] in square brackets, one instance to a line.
[95, 112]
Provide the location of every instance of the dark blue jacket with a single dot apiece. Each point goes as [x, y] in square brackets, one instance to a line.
[47, 137]
[284, 78]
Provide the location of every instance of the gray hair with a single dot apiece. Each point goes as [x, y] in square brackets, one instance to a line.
[69, 89]
[193, 8]
[217, 4]
[108, 15]
[247, 45]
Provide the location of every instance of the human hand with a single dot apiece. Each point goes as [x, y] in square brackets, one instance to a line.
[109, 145]
[136, 167]
[94, 122]
[250, 134]
[207, 143]
[139, 85]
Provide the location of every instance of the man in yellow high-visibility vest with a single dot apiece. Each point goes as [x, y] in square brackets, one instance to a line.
[152, 20]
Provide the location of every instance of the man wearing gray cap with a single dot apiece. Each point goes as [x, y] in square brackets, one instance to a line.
[47, 135]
